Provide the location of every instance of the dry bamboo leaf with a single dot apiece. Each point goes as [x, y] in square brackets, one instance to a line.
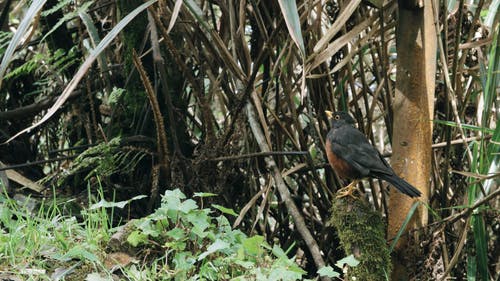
[354, 51]
[337, 25]
[336, 45]
[175, 14]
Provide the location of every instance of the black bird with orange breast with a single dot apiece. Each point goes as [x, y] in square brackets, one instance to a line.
[353, 157]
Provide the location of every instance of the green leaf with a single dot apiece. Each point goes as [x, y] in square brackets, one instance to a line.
[349, 260]
[471, 267]
[481, 241]
[204, 194]
[187, 206]
[216, 246]
[136, 237]
[403, 226]
[225, 210]
[148, 228]
[278, 252]
[94, 38]
[244, 264]
[115, 95]
[252, 245]
[78, 252]
[464, 126]
[176, 234]
[176, 193]
[175, 245]
[5, 215]
[200, 222]
[184, 261]
[328, 272]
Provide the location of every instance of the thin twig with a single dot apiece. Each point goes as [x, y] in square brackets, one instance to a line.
[467, 211]
[257, 154]
[39, 162]
[460, 141]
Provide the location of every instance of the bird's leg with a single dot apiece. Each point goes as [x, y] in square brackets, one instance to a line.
[348, 190]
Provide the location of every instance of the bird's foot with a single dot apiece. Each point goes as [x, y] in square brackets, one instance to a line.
[348, 190]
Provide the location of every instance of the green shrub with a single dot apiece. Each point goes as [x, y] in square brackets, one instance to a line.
[197, 244]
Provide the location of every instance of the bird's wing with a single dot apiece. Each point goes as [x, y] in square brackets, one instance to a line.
[351, 145]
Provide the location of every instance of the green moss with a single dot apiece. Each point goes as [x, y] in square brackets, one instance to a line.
[362, 233]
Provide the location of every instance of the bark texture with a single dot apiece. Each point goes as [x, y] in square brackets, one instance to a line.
[412, 134]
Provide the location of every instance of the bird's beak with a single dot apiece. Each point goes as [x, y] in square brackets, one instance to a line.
[329, 114]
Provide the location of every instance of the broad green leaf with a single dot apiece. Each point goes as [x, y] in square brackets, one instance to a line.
[216, 246]
[349, 260]
[176, 193]
[252, 245]
[148, 228]
[279, 253]
[184, 261]
[225, 210]
[200, 222]
[285, 273]
[175, 245]
[328, 272]
[176, 234]
[136, 237]
[187, 206]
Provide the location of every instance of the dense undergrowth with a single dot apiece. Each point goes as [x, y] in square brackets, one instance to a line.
[179, 241]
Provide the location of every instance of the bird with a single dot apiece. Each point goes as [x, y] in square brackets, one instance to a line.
[353, 157]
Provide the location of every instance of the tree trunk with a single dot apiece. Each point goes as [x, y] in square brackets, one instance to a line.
[412, 135]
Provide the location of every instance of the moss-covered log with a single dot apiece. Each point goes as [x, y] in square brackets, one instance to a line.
[362, 233]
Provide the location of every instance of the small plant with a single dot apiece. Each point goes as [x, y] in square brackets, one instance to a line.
[193, 243]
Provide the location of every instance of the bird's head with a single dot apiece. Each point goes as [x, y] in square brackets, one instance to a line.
[339, 118]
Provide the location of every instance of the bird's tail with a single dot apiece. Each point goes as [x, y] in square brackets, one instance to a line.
[402, 185]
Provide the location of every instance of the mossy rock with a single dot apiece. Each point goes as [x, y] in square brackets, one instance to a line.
[362, 233]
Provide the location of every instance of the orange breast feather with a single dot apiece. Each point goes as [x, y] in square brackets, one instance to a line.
[341, 167]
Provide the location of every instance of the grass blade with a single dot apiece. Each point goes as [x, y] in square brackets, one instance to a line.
[405, 223]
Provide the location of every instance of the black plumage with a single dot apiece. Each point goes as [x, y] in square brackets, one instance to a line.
[353, 157]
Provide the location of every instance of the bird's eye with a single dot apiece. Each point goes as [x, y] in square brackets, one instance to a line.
[337, 117]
